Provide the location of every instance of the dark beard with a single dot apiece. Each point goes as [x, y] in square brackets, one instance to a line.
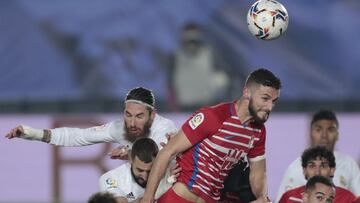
[131, 137]
[143, 185]
[257, 120]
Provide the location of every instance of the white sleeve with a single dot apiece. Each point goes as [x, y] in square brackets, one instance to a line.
[292, 178]
[111, 185]
[70, 137]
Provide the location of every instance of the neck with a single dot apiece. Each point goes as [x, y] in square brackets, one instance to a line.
[242, 110]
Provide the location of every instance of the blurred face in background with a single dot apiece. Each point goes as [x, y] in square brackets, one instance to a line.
[320, 194]
[318, 167]
[192, 41]
[262, 99]
[137, 121]
[324, 133]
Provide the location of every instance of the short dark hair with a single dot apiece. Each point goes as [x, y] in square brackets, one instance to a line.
[263, 77]
[145, 149]
[310, 184]
[141, 95]
[102, 197]
[324, 115]
[313, 153]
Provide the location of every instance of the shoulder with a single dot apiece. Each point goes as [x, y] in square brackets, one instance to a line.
[344, 193]
[339, 156]
[116, 172]
[160, 121]
[294, 169]
[219, 112]
[297, 190]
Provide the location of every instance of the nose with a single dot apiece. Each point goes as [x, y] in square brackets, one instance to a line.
[144, 175]
[132, 122]
[317, 171]
[324, 134]
[270, 105]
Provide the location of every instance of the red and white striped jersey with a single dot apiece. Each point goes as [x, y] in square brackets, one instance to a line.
[295, 195]
[220, 140]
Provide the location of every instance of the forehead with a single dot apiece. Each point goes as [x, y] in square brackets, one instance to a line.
[326, 190]
[137, 163]
[135, 108]
[325, 123]
[318, 160]
[266, 90]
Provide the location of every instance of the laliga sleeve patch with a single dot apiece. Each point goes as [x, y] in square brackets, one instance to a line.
[196, 120]
[111, 183]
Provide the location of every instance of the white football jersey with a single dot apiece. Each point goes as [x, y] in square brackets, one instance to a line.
[347, 175]
[111, 132]
[121, 183]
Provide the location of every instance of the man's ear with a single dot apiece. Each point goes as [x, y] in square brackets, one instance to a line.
[129, 157]
[332, 172]
[305, 197]
[153, 113]
[246, 93]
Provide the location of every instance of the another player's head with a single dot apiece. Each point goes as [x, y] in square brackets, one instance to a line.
[191, 38]
[142, 155]
[262, 89]
[319, 189]
[324, 129]
[102, 197]
[318, 161]
[139, 113]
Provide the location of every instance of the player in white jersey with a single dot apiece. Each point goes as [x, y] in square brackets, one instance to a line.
[128, 181]
[324, 132]
[140, 120]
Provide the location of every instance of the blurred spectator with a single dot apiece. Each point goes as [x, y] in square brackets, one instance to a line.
[317, 161]
[324, 131]
[102, 197]
[196, 76]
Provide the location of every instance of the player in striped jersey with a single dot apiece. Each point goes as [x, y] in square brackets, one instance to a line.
[215, 138]
[318, 189]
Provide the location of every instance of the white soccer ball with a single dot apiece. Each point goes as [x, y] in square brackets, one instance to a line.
[267, 19]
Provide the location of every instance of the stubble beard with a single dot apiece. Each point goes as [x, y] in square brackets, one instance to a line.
[144, 133]
[253, 114]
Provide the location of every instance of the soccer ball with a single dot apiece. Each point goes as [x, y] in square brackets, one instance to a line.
[267, 19]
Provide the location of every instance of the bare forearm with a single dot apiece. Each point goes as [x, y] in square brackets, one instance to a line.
[157, 172]
[258, 185]
[258, 180]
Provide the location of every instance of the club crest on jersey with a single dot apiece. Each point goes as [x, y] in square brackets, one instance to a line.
[111, 183]
[196, 120]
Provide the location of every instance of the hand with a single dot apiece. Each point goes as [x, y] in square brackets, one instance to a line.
[15, 132]
[169, 136]
[26, 132]
[120, 152]
[174, 173]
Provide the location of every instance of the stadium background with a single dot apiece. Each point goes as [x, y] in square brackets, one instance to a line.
[71, 62]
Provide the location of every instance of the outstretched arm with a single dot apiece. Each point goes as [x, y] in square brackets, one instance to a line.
[69, 136]
[29, 133]
[177, 144]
